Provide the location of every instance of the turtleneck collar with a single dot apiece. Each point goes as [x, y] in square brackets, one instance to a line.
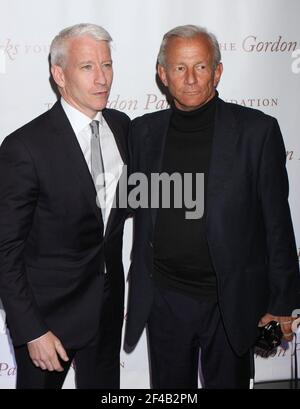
[198, 119]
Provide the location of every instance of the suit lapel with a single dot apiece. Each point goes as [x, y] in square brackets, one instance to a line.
[117, 131]
[155, 147]
[74, 157]
[223, 148]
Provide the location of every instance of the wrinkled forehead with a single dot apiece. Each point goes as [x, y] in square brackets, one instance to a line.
[84, 46]
[182, 49]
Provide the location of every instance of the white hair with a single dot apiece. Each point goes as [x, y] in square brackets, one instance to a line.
[189, 31]
[58, 48]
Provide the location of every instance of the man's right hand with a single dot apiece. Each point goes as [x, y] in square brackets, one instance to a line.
[45, 350]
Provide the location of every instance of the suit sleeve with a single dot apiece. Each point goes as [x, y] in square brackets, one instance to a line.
[18, 197]
[282, 253]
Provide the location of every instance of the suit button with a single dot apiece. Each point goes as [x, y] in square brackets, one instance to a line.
[151, 244]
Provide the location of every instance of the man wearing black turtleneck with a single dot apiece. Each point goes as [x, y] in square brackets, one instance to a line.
[181, 255]
[206, 283]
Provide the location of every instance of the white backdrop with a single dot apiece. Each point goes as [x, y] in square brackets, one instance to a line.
[260, 44]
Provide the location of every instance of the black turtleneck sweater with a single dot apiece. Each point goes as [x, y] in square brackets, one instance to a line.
[181, 255]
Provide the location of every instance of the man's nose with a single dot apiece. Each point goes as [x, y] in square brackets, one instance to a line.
[100, 77]
[190, 77]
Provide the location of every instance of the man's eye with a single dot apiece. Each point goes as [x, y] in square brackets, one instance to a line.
[200, 67]
[107, 65]
[179, 68]
[87, 67]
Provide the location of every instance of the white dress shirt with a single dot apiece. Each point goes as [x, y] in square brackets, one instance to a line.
[113, 163]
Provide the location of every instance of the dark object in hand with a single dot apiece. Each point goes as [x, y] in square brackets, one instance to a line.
[269, 337]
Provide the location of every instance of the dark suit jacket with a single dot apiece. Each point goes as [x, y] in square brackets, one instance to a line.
[52, 249]
[248, 223]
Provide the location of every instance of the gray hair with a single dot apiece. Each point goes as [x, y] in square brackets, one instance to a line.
[58, 48]
[189, 31]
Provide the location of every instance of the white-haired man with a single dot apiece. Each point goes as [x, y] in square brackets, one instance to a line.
[61, 274]
[208, 282]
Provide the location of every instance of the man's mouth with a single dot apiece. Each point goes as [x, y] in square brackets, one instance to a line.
[100, 93]
[192, 92]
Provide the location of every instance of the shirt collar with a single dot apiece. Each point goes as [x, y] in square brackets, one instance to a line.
[77, 119]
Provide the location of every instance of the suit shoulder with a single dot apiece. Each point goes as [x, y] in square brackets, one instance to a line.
[28, 131]
[152, 117]
[243, 113]
[115, 114]
[20, 142]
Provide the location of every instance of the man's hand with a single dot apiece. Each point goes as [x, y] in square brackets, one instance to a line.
[44, 350]
[285, 324]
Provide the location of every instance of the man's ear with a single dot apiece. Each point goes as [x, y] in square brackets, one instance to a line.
[58, 75]
[217, 74]
[161, 71]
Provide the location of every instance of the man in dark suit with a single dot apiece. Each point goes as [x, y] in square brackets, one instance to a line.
[208, 282]
[61, 274]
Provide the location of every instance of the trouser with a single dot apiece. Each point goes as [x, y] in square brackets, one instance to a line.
[97, 365]
[179, 327]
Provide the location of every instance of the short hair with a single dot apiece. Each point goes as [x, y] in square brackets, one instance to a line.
[189, 31]
[58, 48]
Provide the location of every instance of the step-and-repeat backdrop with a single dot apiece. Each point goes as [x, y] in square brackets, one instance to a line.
[260, 44]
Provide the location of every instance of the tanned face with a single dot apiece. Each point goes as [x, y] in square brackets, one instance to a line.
[188, 72]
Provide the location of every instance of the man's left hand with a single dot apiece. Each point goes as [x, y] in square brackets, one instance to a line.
[285, 324]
